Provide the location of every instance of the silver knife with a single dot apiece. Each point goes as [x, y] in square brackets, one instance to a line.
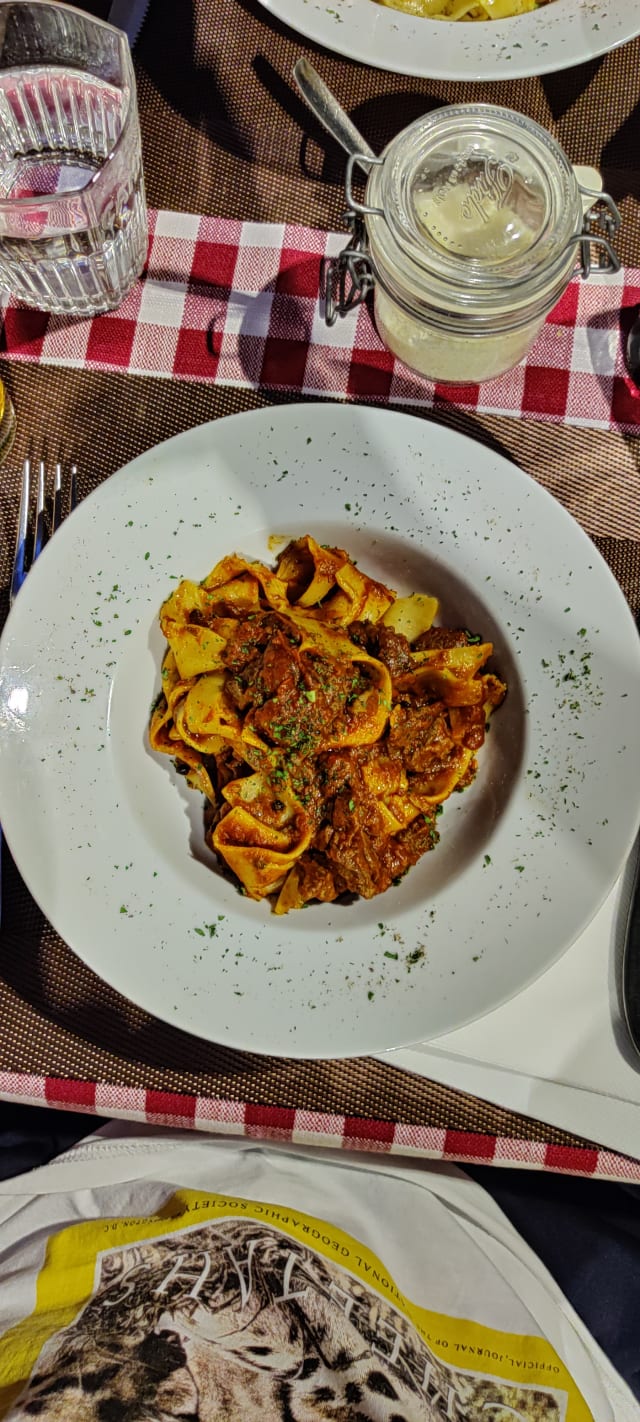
[128, 15]
[631, 955]
[631, 963]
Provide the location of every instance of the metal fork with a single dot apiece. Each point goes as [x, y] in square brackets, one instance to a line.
[22, 562]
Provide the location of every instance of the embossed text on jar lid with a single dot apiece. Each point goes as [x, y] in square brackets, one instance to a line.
[478, 197]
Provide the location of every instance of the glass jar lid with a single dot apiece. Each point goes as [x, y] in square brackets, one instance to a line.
[476, 207]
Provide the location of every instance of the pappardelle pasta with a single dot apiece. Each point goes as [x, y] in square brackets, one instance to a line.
[325, 720]
[465, 9]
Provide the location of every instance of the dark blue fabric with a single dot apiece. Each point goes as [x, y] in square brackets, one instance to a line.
[587, 1232]
[33, 1135]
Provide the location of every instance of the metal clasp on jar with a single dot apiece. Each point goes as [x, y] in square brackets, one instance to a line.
[346, 280]
[601, 222]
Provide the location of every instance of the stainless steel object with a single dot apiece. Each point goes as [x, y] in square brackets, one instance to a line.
[632, 352]
[129, 15]
[330, 113]
[22, 559]
[631, 944]
[631, 964]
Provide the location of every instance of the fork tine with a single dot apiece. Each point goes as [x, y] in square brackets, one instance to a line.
[56, 511]
[19, 571]
[39, 530]
[19, 561]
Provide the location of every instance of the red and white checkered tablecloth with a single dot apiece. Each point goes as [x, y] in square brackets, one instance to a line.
[313, 1128]
[236, 303]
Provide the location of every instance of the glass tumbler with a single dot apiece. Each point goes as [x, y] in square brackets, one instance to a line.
[73, 222]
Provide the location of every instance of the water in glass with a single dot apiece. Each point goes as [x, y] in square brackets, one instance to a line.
[81, 252]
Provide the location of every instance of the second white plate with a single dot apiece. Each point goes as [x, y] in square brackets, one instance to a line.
[556, 36]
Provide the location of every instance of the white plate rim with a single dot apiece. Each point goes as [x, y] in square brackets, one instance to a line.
[333, 1038]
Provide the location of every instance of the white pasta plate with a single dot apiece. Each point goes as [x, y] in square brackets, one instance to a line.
[555, 36]
[110, 840]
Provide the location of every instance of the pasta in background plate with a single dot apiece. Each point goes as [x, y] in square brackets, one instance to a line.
[324, 719]
[466, 9]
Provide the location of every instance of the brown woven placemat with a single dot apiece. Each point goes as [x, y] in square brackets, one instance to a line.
[224, 133]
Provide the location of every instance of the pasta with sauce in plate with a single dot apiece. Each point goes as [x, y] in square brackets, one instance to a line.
[325, 720]
[466, 9]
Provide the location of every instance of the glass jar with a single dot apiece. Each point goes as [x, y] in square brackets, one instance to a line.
[471, 228]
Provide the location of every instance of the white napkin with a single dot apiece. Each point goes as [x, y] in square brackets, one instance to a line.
[559, 1050]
